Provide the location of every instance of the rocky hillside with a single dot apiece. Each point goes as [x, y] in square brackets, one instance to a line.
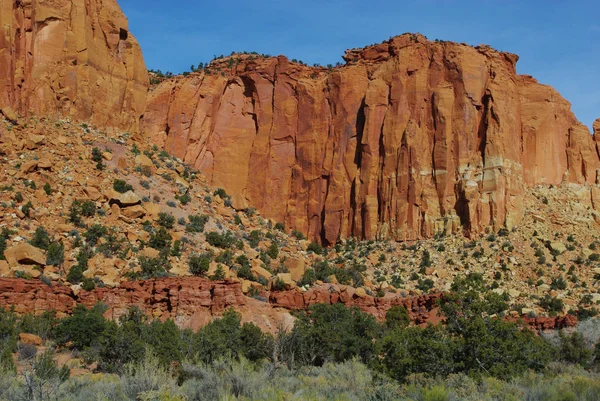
[86, 214]
[72, 58]
[411, 138]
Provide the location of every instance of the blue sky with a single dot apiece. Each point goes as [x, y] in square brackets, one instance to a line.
[558, 41]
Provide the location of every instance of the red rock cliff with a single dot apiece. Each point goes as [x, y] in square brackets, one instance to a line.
[408, 139]
[75, 57]
[193, 302]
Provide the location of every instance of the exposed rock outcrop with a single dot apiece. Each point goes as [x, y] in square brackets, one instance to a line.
[76, 58]
[193, 302]
[410, 138]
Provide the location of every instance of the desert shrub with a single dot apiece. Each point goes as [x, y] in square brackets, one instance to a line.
[221, 193]
[396, 318]
[245, 272]
[297, 234]
[197, 223]
[56, 254]
[184, 199]
[153, 267]
[94, 233]
[219, 273]
[273, 250]
[26, 209]
[552, 305]
[199, 264]
[315, 248]
[254, 238]
[166, 220]
[224, 240]
[47, 189]
[88, 208]
[146, 376]
[177, 248]
[572, 348]
[121, 186]
[161, 240]
[41, 238]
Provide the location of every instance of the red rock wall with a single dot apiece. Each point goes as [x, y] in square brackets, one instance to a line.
[72, 57]
[193, 302]
[409, 139]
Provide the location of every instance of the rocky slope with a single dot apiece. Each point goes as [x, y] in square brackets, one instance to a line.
[58, 195]
[409, 139]
[75, 58]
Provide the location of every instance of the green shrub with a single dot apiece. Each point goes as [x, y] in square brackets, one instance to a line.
[273, 250]
[573, 349]
[334, 333]
[219, 274]
[97, 158]
[552, 305]
[184, 199]
[56, 254]
[41, 238]
[245, 272]
[83, 328]
[161, 240]
[221, 193]
[166, 220]
[254, 238]
[297, 234]
[88, 208]
[121, 186]
[197, 223]
[94, 233]
[224, 240]
[315, 248]
[26, 209]
[153, 267]
[199, 264]
[396, 318]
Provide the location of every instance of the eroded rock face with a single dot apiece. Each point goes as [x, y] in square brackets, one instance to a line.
[409, 139]
[194, 302]
[76, 58]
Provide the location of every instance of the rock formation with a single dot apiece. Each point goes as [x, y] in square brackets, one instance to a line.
[193, 302]
[76, 58]
[410, 138]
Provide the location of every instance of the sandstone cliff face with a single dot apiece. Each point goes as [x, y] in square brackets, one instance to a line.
[74, 57]
[410, 138]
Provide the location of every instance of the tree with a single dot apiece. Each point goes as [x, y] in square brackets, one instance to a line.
[83, 328]
[416, 350]
[397, 318]
[334, 333]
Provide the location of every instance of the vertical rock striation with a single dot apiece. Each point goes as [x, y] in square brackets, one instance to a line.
[74, 57]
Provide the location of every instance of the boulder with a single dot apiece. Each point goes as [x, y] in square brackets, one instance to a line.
[31, 339]
[129, 198]
[133, 212]
[24, 254]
